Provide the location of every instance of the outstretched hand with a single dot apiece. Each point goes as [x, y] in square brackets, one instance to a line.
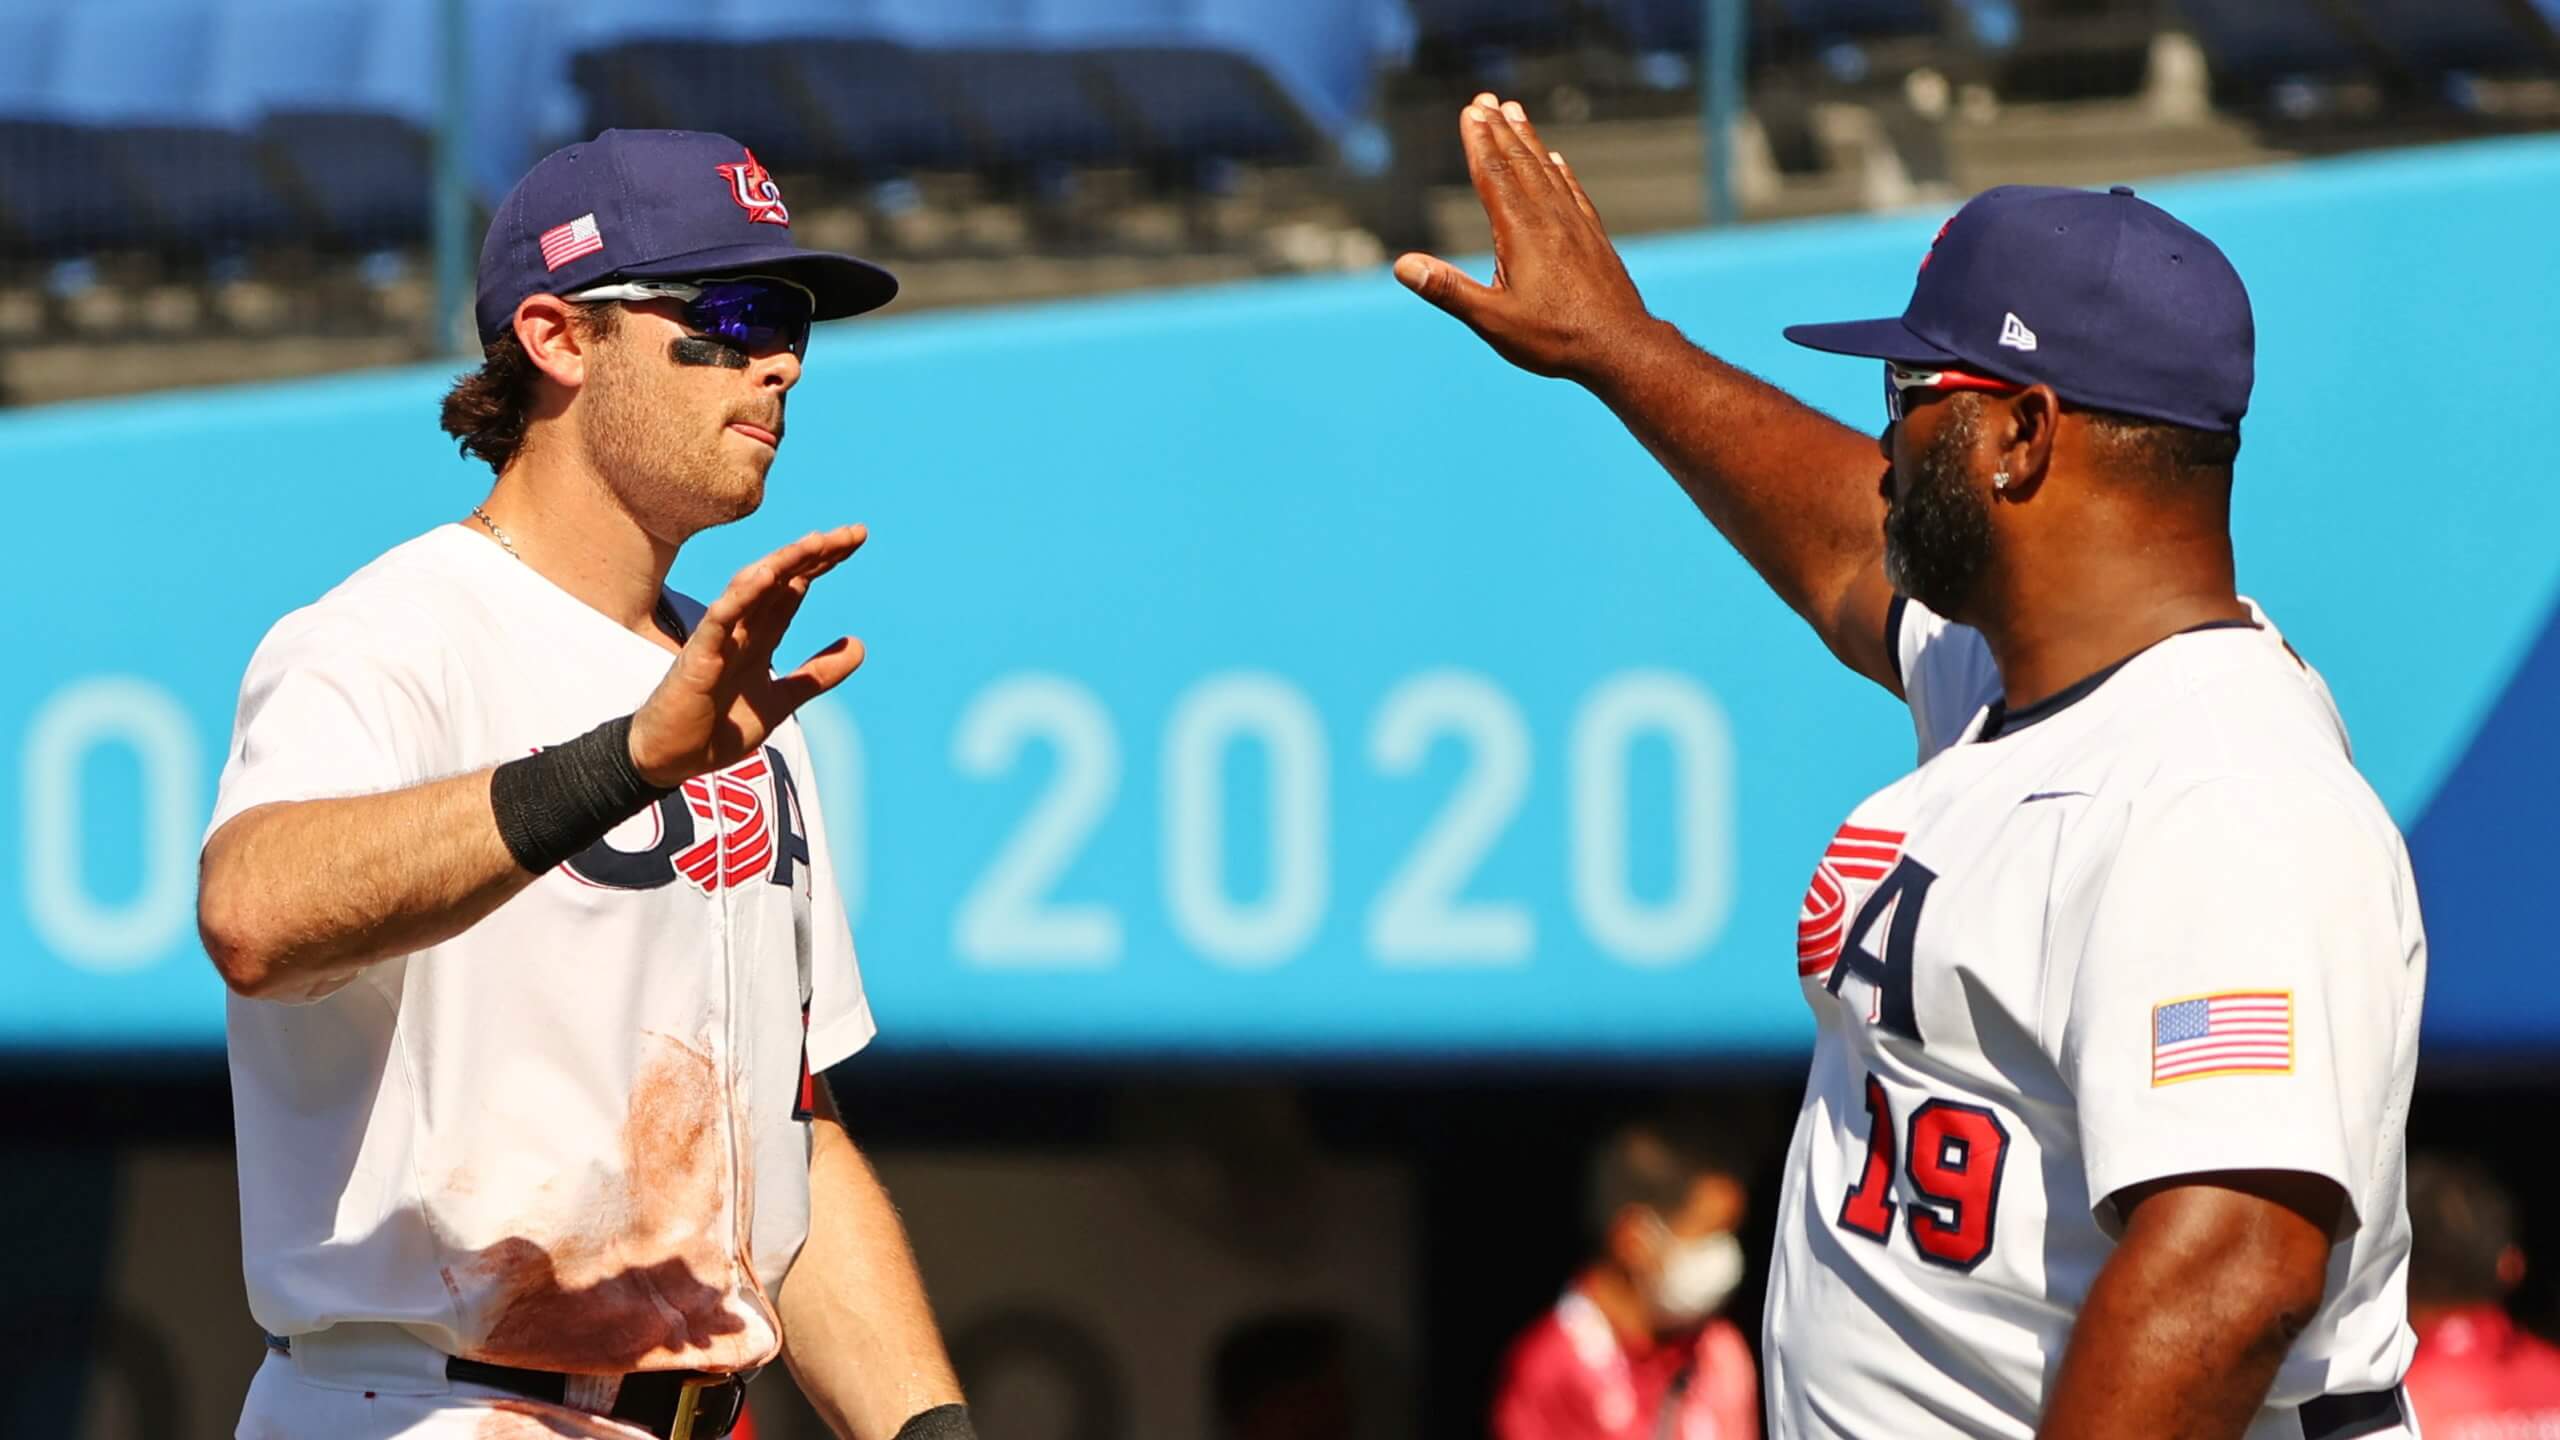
[721, 699]
[1560, 298]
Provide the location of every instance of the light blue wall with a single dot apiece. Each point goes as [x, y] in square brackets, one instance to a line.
[1316, 509]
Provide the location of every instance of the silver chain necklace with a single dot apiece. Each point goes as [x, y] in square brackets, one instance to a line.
[495, 533]
[665, 617]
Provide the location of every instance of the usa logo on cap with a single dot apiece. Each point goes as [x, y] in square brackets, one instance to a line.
[755, 192]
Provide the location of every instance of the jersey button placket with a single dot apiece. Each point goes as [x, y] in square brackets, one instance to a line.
[723, 998]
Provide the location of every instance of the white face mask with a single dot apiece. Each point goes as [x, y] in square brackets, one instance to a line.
[1696, 1276]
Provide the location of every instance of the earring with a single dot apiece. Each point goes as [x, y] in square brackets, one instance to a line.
[2000, 481]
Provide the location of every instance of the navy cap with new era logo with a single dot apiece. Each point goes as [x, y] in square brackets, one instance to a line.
[655, 205]
[2107, 298]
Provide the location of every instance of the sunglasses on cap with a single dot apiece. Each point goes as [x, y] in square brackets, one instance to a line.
[1898, 378]
[757, 313]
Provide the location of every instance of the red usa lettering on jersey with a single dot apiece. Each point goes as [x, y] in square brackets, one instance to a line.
[715, 832]
[741, 833]
[1858, 857]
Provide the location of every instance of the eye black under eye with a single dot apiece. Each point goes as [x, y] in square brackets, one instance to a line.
[711, 350]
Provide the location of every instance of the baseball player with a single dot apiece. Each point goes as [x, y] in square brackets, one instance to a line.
[518, 878]
[2116, 995]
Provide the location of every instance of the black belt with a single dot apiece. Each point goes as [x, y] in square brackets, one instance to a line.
[2344, 1417]
[670, 1404]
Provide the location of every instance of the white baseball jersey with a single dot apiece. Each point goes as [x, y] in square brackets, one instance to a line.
[573, 1137]
[2158, 926]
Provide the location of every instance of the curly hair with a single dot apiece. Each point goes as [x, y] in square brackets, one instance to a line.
[487, 409]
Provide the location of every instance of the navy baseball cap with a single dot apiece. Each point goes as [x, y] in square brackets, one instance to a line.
[655, 205]
[2109, 299]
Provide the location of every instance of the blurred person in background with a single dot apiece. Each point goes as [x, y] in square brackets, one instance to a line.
[1637, 1349]
[2477, 1375]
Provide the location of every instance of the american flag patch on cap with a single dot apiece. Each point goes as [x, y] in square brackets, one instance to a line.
[564, 243]
[2234, 1032]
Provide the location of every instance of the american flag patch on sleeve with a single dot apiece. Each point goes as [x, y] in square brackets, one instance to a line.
[2234, 1032]
[564, 243]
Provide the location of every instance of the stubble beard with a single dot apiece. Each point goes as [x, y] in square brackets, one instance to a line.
[675, 477]
[1937, 537]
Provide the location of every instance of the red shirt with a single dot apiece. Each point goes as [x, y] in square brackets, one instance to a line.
[2477, 1377]
[1569, 1377]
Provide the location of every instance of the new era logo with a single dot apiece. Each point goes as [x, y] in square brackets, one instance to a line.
[564, 243]
[2015, 334]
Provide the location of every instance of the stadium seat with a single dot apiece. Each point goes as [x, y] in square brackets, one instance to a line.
[737, 88]
[1865, 42]
[358, 157]
[58, 197]
[2431, 37]
[1679, 26]
[1198, 84]
[136, 70]
[1657, 26]
[656, 63]
[1451, 27]
[877, 108]
[1032, 112]
[1825, 21]
[2065, 50]
[367, 180]
[1027, 108]
[208, 191]
[942, 84]
[2251, 44]
[1189, 108]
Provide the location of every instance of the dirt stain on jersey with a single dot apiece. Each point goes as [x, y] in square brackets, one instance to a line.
[641, 1275]
[743, 1120]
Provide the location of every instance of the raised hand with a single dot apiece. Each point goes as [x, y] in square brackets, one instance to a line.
[1560, 298]
[721, 698]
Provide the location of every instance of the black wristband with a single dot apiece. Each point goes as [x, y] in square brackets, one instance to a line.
[554, 803]
[942, 1422]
